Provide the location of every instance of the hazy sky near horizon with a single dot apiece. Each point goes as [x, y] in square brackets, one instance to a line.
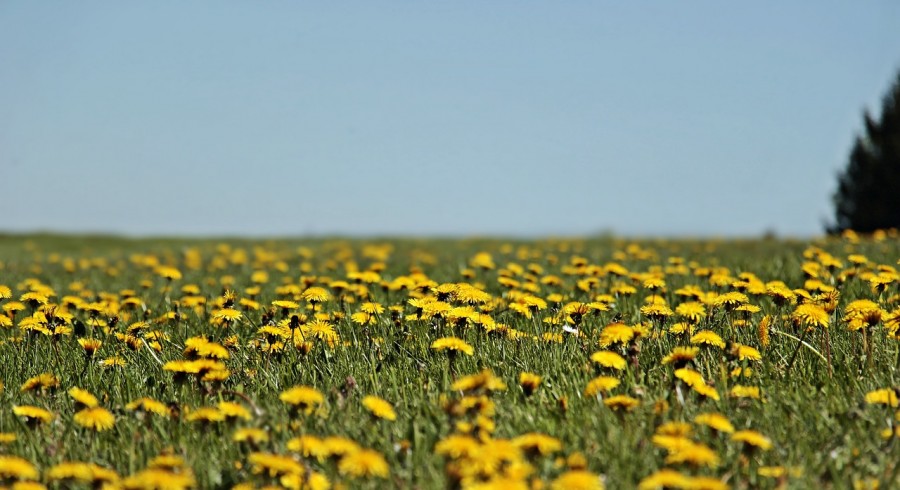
[421, 118]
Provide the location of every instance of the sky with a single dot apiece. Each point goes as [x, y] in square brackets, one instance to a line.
[524, 118]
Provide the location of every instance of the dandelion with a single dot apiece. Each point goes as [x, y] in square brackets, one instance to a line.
[83, 473]
[715, 421]
[745, 352]
[706, 391]
[708, 337]
[529, 382]
[154, 478]
[658, 312]
[96, 418]
[577, 480]
[738, 391]
[148, 405]
[886, 396]
[316, 295]
[694, 454]
[33, 415]
[483, 381]
[233, 411]
[609, 359]
[665, 478]
[168, 273]
[83, 398]
[537, 444]
[113, 362]
[621, 403]
[364, 463]
[681, 356]
[689, 376]
[16, 468]
[691, 311]
[274, 465]
[250, 435]
[302, 398]
[90, 346]
[379, 408]
[810, 315]
[226, 316]
[616, 333]
[599, 385]
[40, 383]
[308, 446]
[752, 439]
[336, 446]
[453, 346]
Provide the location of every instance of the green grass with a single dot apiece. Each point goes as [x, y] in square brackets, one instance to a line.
[819, 424]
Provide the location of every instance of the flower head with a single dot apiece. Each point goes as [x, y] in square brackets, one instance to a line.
[379, 408]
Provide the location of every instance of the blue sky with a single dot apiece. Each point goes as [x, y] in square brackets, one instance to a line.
[424, 118]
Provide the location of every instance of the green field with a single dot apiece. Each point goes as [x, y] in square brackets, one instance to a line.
[658, 363]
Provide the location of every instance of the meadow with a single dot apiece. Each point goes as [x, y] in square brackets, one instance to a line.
[476, 364]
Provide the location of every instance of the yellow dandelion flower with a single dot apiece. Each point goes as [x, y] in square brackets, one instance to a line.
[148, 405]
[665, 478]
[41, 382]
[227, 315]
[681, 355]
[457, 446]
[33, 414]
[308, 446]
[169, 273]
[452, 344]
[379, 408]
[316, 294]
[708, 337]
[537, 443]
[285, 305]
[706, 390]
[745, 352]
[695, 454]
[483, 381]
[83, 472]
[97, 418]
[16, 468]
[621, 402]
[751, 438]
[738, 391]
[232, 410]
[657, 311]
[302, 398]
[616, 333]
[609, 359]
[715, 421]
[337, 446]
[529, 382]
[691, 311]
[252, 435]
[886, 396]
[810, 315]
[577, 480]
[206, 415]
[155, 478]
[599, 385]
[689, 376]
[83, 398]
[364, 463]
[90, 346]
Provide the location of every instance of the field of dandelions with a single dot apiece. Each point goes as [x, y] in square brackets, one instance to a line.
[470, 364]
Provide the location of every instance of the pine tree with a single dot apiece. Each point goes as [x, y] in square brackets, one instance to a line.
[868, 193]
